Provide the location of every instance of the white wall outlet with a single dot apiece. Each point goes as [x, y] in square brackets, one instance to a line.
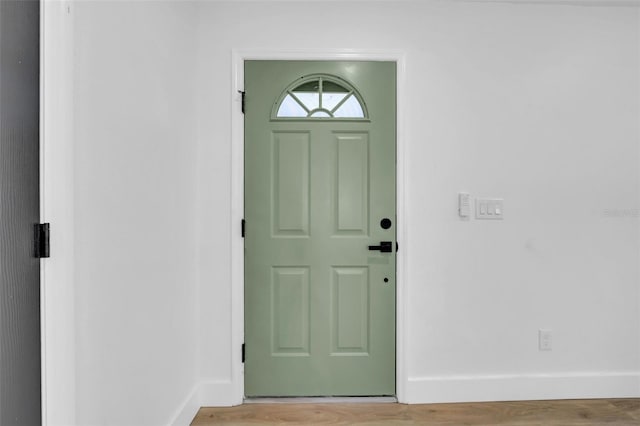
[489, 208]
[545, 340]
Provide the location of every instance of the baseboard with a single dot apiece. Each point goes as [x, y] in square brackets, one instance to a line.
[204, 394]
[425, 390]
[522, 387]
[188, 409]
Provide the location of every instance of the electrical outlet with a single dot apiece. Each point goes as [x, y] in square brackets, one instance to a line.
[545, 340]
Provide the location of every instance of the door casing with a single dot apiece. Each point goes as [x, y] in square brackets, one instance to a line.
[237, 201]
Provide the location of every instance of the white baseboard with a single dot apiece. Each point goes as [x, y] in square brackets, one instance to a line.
[426, 390]
[188, 409]
[204, 394]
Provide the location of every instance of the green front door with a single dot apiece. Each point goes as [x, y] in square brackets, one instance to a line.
[320, 156]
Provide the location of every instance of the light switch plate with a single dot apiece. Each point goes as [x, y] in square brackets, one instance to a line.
[489, 208]
[464, 205]
[545, 340]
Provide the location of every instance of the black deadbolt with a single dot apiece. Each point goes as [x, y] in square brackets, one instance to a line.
[385, 223]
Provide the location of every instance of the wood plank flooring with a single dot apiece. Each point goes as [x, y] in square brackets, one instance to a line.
[610, 412]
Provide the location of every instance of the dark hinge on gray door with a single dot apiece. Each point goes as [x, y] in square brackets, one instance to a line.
[243, 227]
[243, 353]
[41, 240]
[243, 99]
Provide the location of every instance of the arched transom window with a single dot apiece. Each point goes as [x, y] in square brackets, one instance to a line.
[320, 97]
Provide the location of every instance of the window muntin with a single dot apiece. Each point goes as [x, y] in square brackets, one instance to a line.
[320, 97]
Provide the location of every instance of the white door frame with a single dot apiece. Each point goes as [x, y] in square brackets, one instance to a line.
[239, 56]
[57, 303]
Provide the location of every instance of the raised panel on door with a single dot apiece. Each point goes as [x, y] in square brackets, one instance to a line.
[290, 168]
[290, 311]
[350, 311]
[351, 184]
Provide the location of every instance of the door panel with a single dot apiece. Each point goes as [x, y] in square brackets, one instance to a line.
[290, 308]
[290, 153]
[350, 308]
[19, 211]
[352, 184]
[319, 316]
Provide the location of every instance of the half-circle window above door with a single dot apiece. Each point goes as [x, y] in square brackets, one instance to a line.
[320, 97]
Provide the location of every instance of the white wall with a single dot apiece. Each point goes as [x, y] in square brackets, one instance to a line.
[534, 103]
[135, 211]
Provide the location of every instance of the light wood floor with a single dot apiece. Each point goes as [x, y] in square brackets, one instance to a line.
[609, 412]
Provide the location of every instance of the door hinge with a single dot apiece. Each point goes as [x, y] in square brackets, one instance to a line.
[41, 240]
[243, 353]
[242, 94]
[243, 227]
